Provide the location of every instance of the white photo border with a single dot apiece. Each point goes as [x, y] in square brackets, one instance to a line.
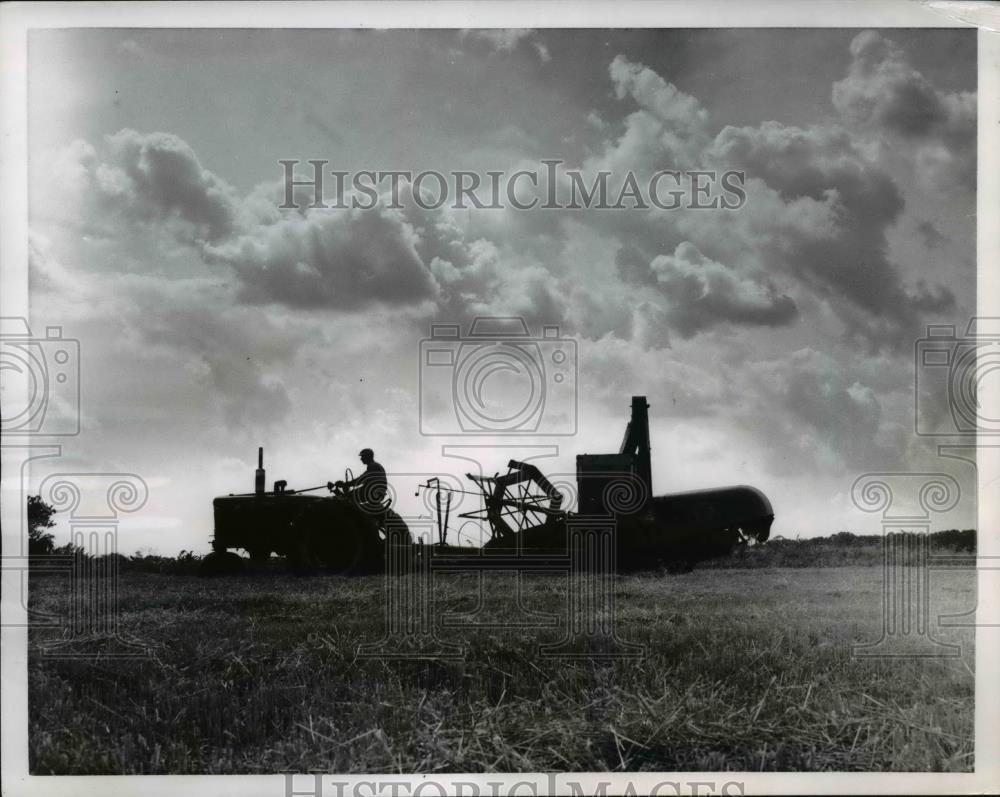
[15, 21]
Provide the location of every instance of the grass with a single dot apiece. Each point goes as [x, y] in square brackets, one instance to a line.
[743, 670]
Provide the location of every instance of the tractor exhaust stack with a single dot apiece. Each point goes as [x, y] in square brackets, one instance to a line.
[260, 476]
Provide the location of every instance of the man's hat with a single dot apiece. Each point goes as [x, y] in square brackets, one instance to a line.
[367, 451]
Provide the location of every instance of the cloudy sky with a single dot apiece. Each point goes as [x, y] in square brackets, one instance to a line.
[775, 342]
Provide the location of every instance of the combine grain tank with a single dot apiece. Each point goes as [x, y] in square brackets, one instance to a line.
[673, 531]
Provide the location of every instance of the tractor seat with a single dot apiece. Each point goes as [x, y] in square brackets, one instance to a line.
[375, 509]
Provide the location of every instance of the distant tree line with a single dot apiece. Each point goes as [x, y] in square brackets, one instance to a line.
[958, 540]
[843, 548]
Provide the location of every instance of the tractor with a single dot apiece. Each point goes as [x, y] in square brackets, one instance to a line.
[335, 533]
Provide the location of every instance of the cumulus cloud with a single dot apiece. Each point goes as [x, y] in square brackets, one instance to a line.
[47, 275]
[345, 260]
[843, 258]
[700, 293]
[661, 98]
[154, 178]
[677, 121]
[818, 211]
[883, 92]
[883, 88]
[814, 226]
[815, 223]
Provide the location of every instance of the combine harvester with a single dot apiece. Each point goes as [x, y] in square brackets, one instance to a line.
[522, 512]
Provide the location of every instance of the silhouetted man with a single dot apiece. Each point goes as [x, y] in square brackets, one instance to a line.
[370, 488]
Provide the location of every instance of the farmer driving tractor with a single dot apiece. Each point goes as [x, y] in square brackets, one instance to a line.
[369, 489]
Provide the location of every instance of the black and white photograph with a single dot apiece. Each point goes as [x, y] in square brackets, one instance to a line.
[492, 399]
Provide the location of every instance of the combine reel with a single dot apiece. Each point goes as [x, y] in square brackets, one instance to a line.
[517, 502]
[514, 503]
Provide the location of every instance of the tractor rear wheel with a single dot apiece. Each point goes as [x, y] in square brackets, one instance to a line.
[300, 557]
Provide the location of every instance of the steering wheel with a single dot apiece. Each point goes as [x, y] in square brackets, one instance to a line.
[339, 489]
